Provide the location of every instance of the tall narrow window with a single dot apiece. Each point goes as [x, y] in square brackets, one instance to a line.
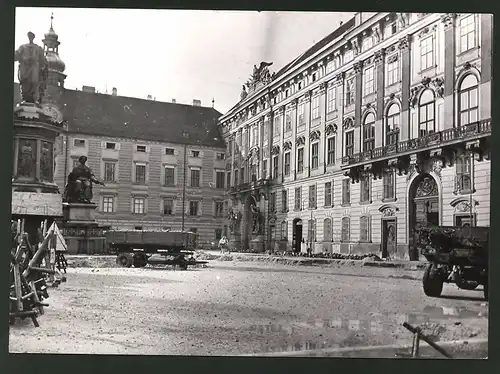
[346, 191]
[277, 125]
[298, 199]
[219, 179]
[426, 53]
[193, 208]
[314, 155]
[427, 123]
[140, 174]
[349, 143]
[392, 125]
[346, 229]
[330, 149]
[287, 164]
[300, 160]
[364, 229]
[169, 176]
[315, 107]
[331, 99]
[327, 230]
[467, 33]
[468, 101]
[168, 206]
[195, 178]
[389, 184]
[108, 204]
[328, 194]
[272, 202]
[228, 179]
[219, 208]
[300, 114]
[365, 188]
[464, 173]
[284, 201]
[368, 80]
[284, 230]
[109, 171]
[264, 169]
[369, 132]
[392, 70]
[139, 205]
[350, 91]
[312, 196]
[275, 167]
[288, 122]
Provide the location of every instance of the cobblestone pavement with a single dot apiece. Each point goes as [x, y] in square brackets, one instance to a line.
[244, 308]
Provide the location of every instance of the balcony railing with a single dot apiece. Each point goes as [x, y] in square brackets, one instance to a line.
[407, 146]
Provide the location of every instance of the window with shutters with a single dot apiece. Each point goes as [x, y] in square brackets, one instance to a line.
[315, 156]
[312, 196]
[327, 230]
[169, 176]
[346, 230]
[464, 173]
[139, 205]
[346, 191]
[298, 198]
[330, 149]
[108, 204]
[364, 186]
[468, 101]
[389, 184]
[300, 160]
[109, 171]
[364, 229]
[195, 177]
[140, 174]
[328, 194]
[168, 206]
[284, 201]
[287, 164]
[193, 208]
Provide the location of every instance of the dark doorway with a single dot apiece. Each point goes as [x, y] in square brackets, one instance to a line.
[297, 235]
[389, 235]
[424, 207]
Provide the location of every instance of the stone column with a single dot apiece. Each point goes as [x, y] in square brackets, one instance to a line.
[449, 70]
[307, 148]
[404, 46]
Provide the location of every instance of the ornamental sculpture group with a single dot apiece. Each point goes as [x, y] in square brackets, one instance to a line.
[257, 220]
[260, 74]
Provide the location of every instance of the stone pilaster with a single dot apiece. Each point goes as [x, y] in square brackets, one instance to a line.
[405, 47]
[449, 69]
[380, 71]
[486, 25]
[358, 66]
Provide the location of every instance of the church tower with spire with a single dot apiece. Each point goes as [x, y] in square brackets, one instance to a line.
[52, 102]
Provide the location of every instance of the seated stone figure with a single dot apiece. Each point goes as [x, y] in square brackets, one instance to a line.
[79, 186]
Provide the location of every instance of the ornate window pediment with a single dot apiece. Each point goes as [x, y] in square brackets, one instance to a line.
[348, 123]
[314, 135]
[275, 150]
[287, 146]
[330, 129]
[301, 140]
[388, 210]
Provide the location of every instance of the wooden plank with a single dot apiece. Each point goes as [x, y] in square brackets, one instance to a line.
[17, 287]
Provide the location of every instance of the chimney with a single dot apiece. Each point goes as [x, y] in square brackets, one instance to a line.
[196, 102]
[114, 92]
[173, 101]
[88, 89]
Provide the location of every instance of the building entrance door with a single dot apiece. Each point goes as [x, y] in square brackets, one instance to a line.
[297, 235]
[389, 236]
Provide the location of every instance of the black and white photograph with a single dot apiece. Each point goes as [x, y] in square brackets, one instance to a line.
[251, 183]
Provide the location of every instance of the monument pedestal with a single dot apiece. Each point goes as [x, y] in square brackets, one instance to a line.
[257, 244]
[235, 242]
[82, 233]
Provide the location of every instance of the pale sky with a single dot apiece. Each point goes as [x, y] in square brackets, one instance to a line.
[173, 54]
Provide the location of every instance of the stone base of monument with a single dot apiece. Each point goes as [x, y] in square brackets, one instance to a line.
[257, 244]
[235, 242]
[79, 213]
[29, 110]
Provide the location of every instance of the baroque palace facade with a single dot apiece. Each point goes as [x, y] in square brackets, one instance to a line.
[156, 159]
[382, 126]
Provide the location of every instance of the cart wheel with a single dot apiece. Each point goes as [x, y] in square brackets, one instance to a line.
[140, 260]
[432, 281]
[124, 260]
[485, 290]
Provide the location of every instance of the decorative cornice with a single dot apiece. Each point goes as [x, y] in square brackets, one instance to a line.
[392, 58]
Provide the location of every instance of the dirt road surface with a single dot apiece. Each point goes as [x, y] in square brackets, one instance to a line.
[241, 308]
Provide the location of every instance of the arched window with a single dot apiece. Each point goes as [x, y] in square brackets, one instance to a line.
[284, 230]
[392, 125]
[468, 100]
[369, 132]
[427, 110]
[346, 229]
[327, 230]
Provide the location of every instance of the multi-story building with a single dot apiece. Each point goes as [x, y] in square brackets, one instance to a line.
[382, 126]
[162, 163]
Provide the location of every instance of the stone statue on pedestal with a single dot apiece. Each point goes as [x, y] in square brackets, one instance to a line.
[257, 220]
[79, 186]
[234, 221]
[33, 70]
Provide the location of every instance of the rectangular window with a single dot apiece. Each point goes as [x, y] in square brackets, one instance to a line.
[284, 201]
[315, 107]
[168, 206]
[364, 229]
[427, 124]
[368, 136]
[287, 164]
[311, 230]
[139, 205]
[169, 151]
[277, 125]
[275, 167]
[298, 198]
[314, 155]
[264, 169]
[464, 174]
[79, 142]
[195, 178]
[140, 174]
[312, 196]
[195, 154]
[426, 53]
[108, 204]
[272, 202]
[193, 208]
[368, 78]
[141, 148]
[288, 122]
[349, 143]
[110, 145]
[242, 175]
[365, 188]
[350, 91]
[109, 171]
[346, 229]
[219, 179]
[389, 184]
[300, 160]
[328, 194]
[330, 149]
[221, 156]
[169, 176]
[235, 177]
[346, 191]
[392, 71]
[219, 208]
[300, 114]
[467, 33]
[332, 105]
[228, 179]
